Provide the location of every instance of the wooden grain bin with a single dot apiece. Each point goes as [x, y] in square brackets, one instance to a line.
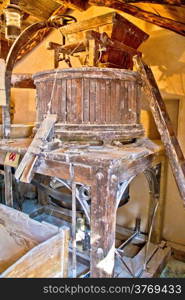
[31, 249]
[91, 103]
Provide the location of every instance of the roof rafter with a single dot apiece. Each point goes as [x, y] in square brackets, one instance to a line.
[147, 16]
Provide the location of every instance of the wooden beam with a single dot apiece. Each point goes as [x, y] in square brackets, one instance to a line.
[22, 81]
[137, 12]
[41, 9]
[164, 125]
[163, 2]
[74, 4]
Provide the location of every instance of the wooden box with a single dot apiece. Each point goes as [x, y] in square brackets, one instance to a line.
[28, 248]
[91, 103]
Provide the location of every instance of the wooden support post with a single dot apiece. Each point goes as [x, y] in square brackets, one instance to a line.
[103, 223]
[6, 132]
[164, 125]
[8, 186]
[64, 251]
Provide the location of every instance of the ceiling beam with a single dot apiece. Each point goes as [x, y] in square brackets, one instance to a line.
[74, 4]
[168, 2]
[41, 9]
[137, 12]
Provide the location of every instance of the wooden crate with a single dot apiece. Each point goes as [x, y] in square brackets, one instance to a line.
[29, 248]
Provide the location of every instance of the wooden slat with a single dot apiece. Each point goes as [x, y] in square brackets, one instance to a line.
[164, 125]
[35, 148]
[157, 263]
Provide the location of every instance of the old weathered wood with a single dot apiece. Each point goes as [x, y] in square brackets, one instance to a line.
[105, 41]
[178, 250]
[117, 31]
[157, 263]
[137, 12]
[83, 115]
[19, 234]
[8, 186]
[114, 49]
[46, 260]
[22, 81]
[169, 2]
[41, 9]
[164, 125]
[103, 208]
[74, 4]
[35, 149]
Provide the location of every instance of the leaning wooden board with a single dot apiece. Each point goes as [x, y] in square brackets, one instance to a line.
[25, 167]
[164, 125]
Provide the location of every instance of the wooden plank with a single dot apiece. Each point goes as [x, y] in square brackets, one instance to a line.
[38, 142]
[178, 250]
[88, 24]
[42, 9]
[164, 125]
[74, 4]
[46, 260]
[169, 2]
[157, 263]
[82, 173]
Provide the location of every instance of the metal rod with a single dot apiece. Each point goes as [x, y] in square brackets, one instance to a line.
[125, 243]
[149, 236]
[124, 263]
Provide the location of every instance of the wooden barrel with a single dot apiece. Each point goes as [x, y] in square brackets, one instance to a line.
[91, 103]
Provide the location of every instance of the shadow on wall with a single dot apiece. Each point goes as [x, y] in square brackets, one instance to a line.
[168, 53]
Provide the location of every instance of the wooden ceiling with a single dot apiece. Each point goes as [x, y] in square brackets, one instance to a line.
[169, 14]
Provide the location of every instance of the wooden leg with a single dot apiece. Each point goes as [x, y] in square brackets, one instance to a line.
[8, 186]
[103, 223]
